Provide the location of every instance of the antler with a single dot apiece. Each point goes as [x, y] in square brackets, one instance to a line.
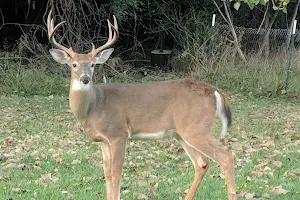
[51, 31]
[111, 38]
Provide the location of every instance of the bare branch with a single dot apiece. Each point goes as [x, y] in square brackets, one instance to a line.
[221, 13]
[266, 11]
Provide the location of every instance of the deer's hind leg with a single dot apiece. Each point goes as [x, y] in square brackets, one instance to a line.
[204, 143]
[200, 165]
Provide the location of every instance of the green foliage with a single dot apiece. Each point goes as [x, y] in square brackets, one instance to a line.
[237, 5]
[30, 80]
[125, 9]
[277, 4]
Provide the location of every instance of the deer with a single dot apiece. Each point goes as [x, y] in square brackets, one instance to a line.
[111, 114]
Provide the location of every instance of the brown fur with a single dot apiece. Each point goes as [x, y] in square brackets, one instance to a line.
[113, 113]
[116, 112]
[147, 108]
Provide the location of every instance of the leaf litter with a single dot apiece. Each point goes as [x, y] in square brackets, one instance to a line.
[265, 150]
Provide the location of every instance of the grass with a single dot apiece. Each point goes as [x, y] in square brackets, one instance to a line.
[31, 79]
[45, 155]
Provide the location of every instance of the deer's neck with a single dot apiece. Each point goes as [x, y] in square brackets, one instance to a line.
[81, 99]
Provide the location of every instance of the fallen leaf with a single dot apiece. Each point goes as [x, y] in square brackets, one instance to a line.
[179, 190]
[241, 193]
[88, 188]
[47, 179]
[185, 165]
[277, 164]
[141, 183]
[279, 190]
[140, 196]
[267, 169]
[266, 196]
[251, 150]
[289, 173]
[249, 195]
[68, 194]
[4, 178]
[17, 190]
[76, 161]
[151, 193]
[11, 165]
[268, 143]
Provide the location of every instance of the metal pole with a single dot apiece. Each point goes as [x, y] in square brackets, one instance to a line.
[210, 41]
[288, 71]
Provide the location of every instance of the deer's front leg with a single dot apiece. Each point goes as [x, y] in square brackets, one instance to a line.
[107, 160]
[118, 147]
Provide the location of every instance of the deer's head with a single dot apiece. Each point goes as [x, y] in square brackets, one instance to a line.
[81, 65]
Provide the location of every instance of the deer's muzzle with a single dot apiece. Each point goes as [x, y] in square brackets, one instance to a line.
[85, 79]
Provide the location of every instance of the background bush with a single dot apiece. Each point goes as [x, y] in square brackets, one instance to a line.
[27, 69]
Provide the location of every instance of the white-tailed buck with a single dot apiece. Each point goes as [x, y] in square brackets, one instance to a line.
[111, 114]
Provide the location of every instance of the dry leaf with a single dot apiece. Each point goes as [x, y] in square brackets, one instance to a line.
[88, 188]
[279, 190]
[4, 178]
[142, 183]
[153, 179]
[249, 195]
[290, 173]
[11, 165]
[268, 144]
[47, 179]
[68, 194]
[241, 193]
[16, 190]
[179, 190]
[251, 150]
[277, 164]
[151, 193]
[76, 161]
[140, 196]
[267, 169]
[185, 165]
[266, 196]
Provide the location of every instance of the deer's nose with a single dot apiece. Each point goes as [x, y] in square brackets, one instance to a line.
[85, 79]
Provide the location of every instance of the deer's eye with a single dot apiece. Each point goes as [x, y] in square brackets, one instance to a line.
[74, 65]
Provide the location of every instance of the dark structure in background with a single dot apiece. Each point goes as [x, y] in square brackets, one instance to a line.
[18, 17]
[15, 13]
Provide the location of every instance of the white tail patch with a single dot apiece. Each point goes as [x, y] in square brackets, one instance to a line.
[77, 86]
[220, 114]
[104, 78]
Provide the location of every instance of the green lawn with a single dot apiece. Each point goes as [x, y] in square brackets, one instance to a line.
[44, 155]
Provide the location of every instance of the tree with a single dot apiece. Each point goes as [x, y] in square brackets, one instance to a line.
[227, 19]
[277, 4]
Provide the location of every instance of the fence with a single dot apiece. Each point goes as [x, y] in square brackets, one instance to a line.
[251, 40]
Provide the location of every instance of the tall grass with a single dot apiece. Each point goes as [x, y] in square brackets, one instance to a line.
[29, 80]
[257, 77]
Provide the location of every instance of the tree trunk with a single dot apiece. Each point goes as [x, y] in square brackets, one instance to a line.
[266, 37]
[266, 26]
[229, 22]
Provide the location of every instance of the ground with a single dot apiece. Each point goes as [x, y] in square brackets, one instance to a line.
[45, 155]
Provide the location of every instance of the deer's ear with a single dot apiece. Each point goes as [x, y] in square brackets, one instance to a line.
[60, 56]
[103, 56]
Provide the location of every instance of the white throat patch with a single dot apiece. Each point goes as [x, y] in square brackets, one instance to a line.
[77, 86]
